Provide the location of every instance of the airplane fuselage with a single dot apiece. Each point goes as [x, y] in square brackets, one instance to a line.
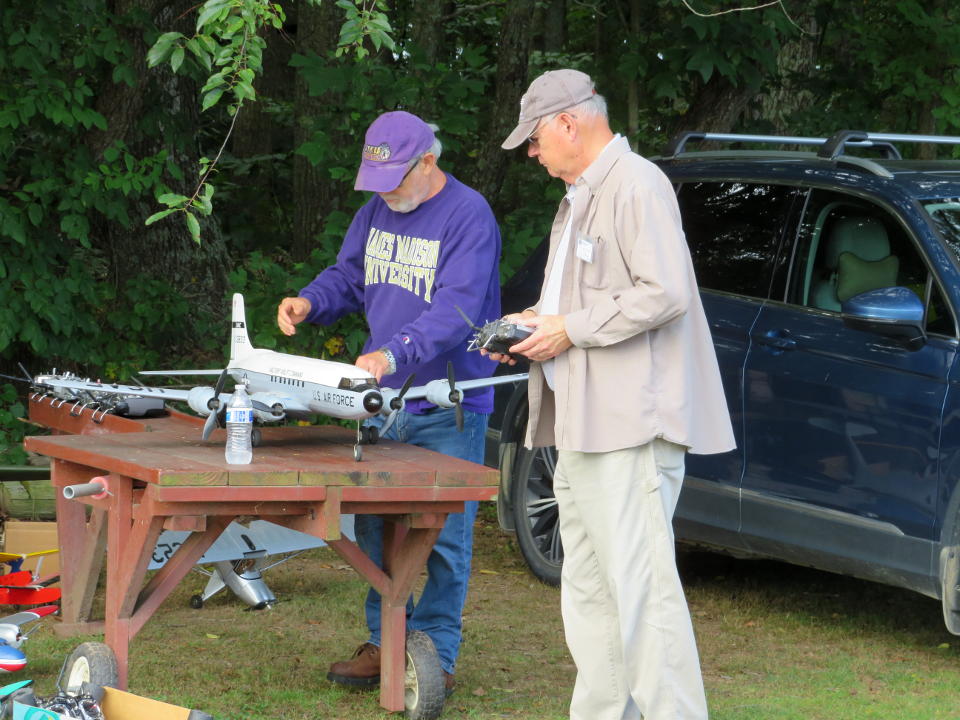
[308, 386]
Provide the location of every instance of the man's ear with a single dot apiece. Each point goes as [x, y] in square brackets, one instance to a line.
[429, 160]
[568, 124]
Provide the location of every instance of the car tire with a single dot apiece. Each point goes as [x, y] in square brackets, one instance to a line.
[535, 512]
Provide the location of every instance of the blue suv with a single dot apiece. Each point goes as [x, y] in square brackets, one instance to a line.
[831, 280]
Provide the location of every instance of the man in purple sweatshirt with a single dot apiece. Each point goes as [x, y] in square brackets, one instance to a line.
[423, 245]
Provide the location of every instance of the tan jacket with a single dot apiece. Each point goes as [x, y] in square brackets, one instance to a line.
[643, 364]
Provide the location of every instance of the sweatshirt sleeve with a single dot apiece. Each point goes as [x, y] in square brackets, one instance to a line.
[651, 240]
[466, 275]
[338, 290]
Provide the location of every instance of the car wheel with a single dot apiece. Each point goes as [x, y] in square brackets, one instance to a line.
[535, 512]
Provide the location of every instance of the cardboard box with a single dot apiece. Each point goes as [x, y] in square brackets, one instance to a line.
[24, 536]
[116, 705]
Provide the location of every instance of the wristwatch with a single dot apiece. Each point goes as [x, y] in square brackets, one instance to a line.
[391, 361]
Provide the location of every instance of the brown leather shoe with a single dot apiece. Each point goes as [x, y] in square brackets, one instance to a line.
[362, 670]
[449, 684]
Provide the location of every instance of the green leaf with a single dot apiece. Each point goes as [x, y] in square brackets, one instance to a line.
[176, 58]
[194, 227]
[211, 9]
[159, 216]
[210, 99]
[171, 199]
[161, 48]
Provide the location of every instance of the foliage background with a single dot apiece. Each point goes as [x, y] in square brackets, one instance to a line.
[91, 136]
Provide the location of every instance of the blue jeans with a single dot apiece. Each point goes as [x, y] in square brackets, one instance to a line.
[439, 610]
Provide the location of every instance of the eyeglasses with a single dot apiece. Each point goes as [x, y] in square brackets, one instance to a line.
[533, 139]
[413, 163]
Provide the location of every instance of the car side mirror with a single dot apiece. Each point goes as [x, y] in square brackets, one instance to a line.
[894, 312]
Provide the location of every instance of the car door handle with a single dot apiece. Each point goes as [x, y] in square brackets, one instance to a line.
[779, 339]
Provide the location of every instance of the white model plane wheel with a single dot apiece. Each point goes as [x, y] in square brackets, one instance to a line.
[424, 689]
[93, 663]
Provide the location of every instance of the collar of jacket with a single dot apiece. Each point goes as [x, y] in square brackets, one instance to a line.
[594, 175]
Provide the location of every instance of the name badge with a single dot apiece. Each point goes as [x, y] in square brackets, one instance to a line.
[584, 247]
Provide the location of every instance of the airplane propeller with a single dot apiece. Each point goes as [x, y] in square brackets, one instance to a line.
[213, 404]
[455, 396]
[396, 405]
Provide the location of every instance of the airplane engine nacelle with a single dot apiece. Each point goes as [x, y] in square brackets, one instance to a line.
[10, 635]
[438, 392]
[198, 398]
[274, 402]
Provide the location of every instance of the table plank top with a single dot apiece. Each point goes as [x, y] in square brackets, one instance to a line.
[316, 455]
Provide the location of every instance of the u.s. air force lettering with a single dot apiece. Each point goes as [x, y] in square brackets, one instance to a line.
[336, 399]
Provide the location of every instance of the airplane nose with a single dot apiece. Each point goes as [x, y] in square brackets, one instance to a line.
[372, 402]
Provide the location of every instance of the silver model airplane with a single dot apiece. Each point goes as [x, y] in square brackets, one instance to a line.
[239, 557]
[280, 386]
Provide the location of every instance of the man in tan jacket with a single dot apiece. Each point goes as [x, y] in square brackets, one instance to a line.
[624, 382]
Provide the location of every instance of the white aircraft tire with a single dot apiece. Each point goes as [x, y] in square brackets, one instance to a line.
[93, 663]
[424, 688]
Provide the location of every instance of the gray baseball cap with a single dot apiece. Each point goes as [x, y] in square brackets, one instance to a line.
[552, 92]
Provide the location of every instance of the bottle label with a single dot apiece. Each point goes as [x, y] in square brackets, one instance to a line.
[239, 415]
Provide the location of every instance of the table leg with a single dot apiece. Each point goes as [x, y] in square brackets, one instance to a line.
[405, 553]
[82, 543]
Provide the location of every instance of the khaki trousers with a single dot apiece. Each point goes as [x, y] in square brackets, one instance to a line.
[624, 613]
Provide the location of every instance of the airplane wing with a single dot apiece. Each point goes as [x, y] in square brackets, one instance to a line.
[6, 557]
[74, 387]
[437, 391]
[26, 616]
[237, 542]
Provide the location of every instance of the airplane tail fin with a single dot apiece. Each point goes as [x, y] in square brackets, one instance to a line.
[239, 340]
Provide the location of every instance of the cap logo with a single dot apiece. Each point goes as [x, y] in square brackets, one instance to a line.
[377, 153]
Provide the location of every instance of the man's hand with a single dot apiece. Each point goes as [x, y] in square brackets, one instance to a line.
[503, 358]
[292, 310]
[375, 363]
[547, 341]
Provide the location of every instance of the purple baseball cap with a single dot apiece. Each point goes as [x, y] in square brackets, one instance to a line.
[392, 140]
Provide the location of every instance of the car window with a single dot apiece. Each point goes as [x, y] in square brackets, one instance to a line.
[847, 246]
[733, 230]
[946, 216]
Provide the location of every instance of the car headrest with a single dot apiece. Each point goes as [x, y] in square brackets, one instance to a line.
[861, 235]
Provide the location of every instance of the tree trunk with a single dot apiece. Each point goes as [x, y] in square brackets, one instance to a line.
[313, 193]
[555, 26]
[716, 107]
[511, 82]
[795, 60]
[164, 249]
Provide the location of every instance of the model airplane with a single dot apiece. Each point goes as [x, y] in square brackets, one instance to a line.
[12, 636]
[240, 556]
[22, 587]
[280, 386]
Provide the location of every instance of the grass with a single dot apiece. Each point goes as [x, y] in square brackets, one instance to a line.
[777, 642]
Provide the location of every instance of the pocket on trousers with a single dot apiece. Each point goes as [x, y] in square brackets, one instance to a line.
[650, 477]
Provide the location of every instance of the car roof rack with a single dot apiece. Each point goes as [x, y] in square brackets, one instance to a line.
[831, 149]
[837, 142]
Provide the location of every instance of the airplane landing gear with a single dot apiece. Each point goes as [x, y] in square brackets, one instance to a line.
[366, 435]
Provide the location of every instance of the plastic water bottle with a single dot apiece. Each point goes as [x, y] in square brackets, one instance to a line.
[239, 427]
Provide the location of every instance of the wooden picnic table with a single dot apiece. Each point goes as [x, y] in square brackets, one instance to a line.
[160, 475]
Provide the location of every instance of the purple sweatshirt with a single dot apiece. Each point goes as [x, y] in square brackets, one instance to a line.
[407, 272]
